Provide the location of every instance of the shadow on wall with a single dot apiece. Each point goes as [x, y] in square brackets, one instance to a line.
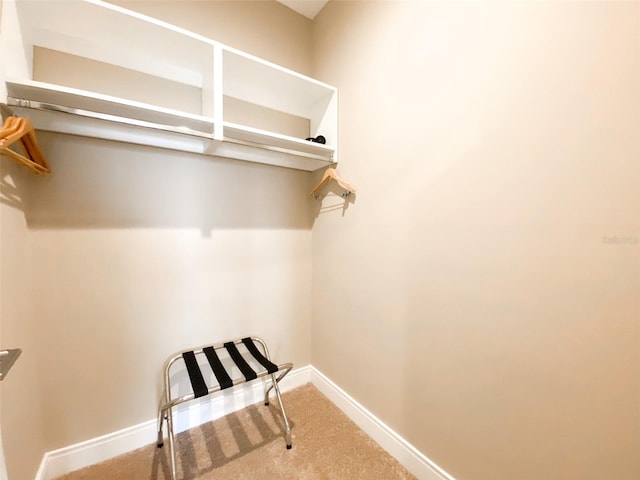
[333, 200]
[10, 188]
[103, 184]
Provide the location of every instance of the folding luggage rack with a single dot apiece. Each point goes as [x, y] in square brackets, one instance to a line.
[245, 359]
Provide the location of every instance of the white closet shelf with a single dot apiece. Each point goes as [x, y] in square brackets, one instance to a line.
[66, 110]
[233, 131]
[128, 40]
[77, 112]
[46, 96]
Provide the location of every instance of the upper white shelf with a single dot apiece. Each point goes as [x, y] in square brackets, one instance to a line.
[151, 57]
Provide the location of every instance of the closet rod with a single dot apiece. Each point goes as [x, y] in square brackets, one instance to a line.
[23, 103]
[50, 107]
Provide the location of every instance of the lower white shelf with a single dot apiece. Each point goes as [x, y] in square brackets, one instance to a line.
[111, 129]
[65, 110]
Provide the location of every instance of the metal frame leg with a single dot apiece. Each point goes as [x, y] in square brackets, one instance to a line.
[284, 415]
[165, 412]
[172, 448]
[268, 389]
[274, 384]
[160, 421]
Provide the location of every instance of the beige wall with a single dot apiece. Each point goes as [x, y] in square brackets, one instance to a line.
[139, 253]
[263, 28]
[126, 254]
[482, 293]
[21, 392]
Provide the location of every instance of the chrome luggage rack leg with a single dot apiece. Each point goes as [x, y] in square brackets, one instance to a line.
[200, 388]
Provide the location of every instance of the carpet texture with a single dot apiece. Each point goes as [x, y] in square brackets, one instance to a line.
[249, 445]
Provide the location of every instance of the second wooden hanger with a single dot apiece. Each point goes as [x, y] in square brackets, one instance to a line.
[331, 174]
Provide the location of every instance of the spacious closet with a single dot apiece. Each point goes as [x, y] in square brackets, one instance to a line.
[466, 282]
[140, 207]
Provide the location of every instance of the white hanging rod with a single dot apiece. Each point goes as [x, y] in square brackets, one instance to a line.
[23, 103]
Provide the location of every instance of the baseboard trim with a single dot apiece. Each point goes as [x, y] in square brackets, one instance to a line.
[62, 461]
[59, 462]
[409, 456]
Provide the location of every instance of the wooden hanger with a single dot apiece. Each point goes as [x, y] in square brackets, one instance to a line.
[330, 174]
[21, 129]
[10, 126]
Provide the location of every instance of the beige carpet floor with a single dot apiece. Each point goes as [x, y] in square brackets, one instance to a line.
[249, 445]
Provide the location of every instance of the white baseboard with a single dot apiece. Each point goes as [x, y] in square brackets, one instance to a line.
[414, 461]
[74, 457]
[80, 455]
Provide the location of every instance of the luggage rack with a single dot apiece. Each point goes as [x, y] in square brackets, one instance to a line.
[252, 364]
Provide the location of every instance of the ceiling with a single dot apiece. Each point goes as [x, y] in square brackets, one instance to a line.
[308, 8]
